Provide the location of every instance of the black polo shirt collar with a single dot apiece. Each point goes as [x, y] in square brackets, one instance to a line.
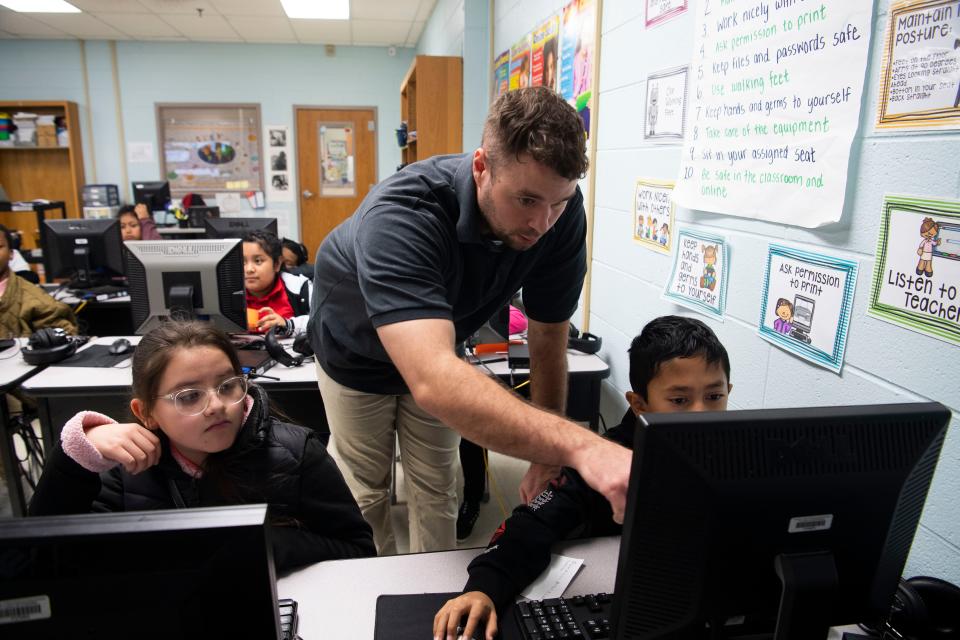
[470, 224]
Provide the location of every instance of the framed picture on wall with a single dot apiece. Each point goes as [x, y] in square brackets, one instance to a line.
[210, 148]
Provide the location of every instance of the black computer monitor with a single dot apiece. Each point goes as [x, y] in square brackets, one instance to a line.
[184, 573]
[724, 509]
[186, 278]
[196, 216]
[89, 251]
[238, 227]
[156, 195]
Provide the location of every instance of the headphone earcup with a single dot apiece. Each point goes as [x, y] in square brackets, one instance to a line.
[908, 613]
[587, 343]
[941, 606]
[277, 352]
[49, 346]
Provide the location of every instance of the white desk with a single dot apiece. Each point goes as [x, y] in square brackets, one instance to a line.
[13, 371]
[338, 599]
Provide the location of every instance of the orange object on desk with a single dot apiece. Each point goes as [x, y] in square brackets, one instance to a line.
[253, 317]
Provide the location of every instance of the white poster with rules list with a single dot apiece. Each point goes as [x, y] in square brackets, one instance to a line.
[776, 87]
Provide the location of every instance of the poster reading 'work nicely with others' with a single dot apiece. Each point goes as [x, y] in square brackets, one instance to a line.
[916, 276]
[920, 80]
[806, 305]
[653, 215]
[699, 277]
[776, 87]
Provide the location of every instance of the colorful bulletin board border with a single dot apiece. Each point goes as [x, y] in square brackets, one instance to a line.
[663, 11]
[924, 78]
[654, 213]
[832, 359]
[930, 300]
[690, 240]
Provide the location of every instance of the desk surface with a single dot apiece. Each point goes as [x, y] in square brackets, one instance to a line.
[338, 599]
[13, 369]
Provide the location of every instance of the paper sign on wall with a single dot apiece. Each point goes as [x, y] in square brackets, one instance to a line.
[920, 79]
[699, 277]
[279, 188]
[916, 275]
[520, 63]
[662, 10]
[666, 104]
[653, 215]
[806, 305]
[775, 101]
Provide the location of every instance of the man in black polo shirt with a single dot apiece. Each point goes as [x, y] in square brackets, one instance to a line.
[430, 255]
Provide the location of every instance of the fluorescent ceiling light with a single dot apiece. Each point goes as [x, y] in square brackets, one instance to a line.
[40, 6]
[317, 9]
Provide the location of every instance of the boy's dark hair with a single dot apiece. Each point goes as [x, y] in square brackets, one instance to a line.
[267, 240]
[669, 337]
[126, 209]
[9, 236]
[298, 249]
[538, 122]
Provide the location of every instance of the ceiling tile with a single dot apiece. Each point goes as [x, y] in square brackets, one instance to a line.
[379, 32]
[322, 31]
[416, 29]
[108, 6]
[173, 7]
[208, 27]
[263, 28]
[138, 25]
[249, 8]
[81, 25]
[380, 10]
[425, 10]
[23, 25]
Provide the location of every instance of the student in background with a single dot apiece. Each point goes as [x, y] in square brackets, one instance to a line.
[136, 223]
[25, 307]
[294, 255]
[204, 437]
[676, 364]
[282, 299]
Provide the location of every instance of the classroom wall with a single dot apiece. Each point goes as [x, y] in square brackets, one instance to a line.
[275, 76]
[884, 363]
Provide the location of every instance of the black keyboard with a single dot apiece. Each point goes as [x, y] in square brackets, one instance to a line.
[586, 617]
[288, 619]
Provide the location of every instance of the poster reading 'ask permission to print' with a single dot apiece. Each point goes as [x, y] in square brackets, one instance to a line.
[699, 277]
[806, 304]
[653, 215]
[776, 88]
[916, 275]
[920, 80]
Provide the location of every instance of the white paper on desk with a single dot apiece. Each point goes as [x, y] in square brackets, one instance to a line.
[555, 578]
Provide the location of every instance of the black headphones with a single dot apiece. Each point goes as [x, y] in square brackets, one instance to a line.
[49, 346]
[278, 353]
[584, 342]
[923, 608]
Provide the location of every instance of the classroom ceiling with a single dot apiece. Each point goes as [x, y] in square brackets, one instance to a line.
[371, 23]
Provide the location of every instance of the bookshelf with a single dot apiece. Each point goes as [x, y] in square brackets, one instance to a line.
[431, 103]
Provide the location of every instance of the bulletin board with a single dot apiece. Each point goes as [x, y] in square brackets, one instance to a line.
[207, 148]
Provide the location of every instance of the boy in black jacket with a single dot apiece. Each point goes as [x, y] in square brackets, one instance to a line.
[676, 364]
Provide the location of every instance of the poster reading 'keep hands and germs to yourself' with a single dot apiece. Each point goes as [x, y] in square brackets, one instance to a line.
[916, 275]
[806, 304]
[699, 277]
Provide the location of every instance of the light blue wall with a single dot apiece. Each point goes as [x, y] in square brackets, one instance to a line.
[883, 362]
[275, 76]
[461, 28]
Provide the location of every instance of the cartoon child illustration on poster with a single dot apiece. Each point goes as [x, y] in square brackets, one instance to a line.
[929, 230]
[649, 226]
[652, 108]
[665, 234]
[784, 316]
[653, 229]
[709, 278]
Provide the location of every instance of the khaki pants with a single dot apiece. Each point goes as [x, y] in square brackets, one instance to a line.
[364, 427]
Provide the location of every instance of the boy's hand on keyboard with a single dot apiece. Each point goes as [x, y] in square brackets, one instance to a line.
[474, 607]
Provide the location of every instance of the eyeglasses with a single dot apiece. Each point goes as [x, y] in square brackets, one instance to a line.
[192, 402]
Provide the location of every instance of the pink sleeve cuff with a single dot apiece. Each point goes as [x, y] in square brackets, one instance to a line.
[79, 448]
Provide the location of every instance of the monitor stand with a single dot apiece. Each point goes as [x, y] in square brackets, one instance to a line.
[180, 302]
[810, 585]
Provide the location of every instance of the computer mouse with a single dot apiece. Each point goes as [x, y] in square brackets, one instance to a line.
[120, 346]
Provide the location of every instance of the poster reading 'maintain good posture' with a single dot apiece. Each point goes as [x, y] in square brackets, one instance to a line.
[806, 306]
[775, 102]
[916, 276]
[699, 277]
[920, 80]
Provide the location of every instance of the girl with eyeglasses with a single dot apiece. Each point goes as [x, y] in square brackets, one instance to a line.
[204, 437]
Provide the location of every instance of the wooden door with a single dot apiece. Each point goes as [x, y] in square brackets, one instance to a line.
[337, 166]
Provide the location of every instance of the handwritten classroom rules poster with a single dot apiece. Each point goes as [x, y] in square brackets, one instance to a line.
[653, 215]
[920, 80]
[806, 304]
[916, 275]
[698, 280]
[776, 89]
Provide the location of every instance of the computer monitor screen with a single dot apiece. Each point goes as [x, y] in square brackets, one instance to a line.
[89, 251]
[156, 195]
[719, 504]
[238, 227]
[197, 215]
[184, 573]
[803, 312]
[186, 278]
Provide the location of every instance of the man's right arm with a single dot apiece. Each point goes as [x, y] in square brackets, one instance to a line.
[486, 413]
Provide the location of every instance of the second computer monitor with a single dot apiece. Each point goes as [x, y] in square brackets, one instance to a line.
[156, 195]
[89, 251]
[237, 227]
[170, 279]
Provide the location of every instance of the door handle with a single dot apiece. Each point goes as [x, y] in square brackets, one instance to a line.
[307, 193]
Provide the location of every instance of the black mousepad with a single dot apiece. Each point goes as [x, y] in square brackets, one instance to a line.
[97, 355]
[410, 617]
